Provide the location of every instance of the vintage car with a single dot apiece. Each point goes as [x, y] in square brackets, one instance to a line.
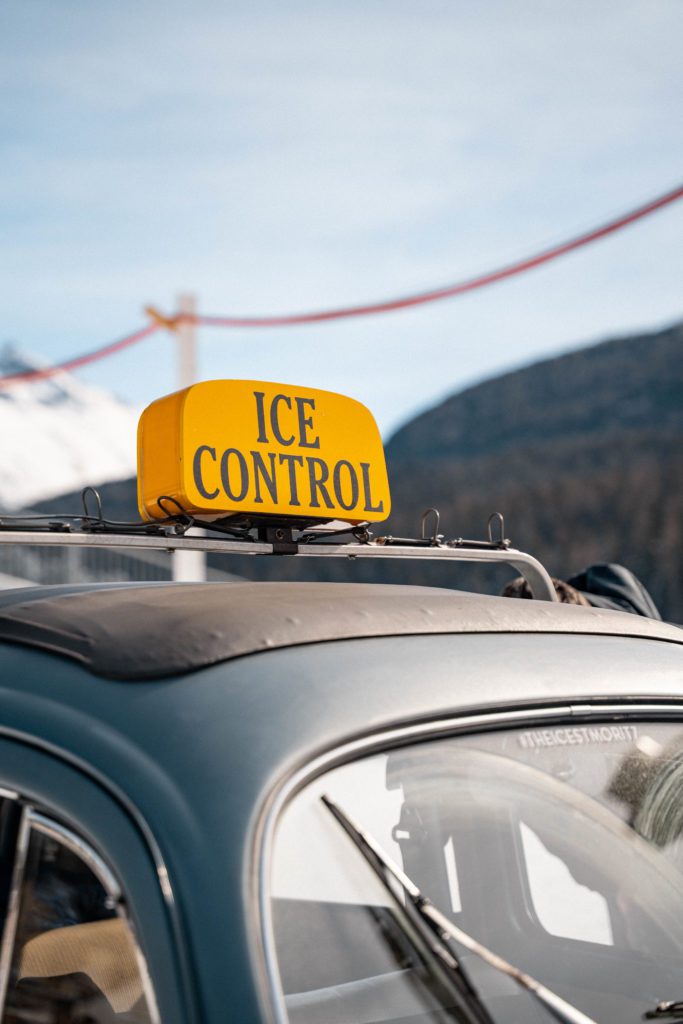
[334, 803]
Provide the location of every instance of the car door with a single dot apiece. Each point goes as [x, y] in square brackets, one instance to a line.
[90, 930]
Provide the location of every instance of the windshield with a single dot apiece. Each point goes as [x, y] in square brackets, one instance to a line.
[559, 848]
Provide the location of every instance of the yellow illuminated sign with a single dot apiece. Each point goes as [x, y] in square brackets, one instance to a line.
[226, 447]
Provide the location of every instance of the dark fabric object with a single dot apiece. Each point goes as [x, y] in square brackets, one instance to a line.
[614, 586]
[565, 594]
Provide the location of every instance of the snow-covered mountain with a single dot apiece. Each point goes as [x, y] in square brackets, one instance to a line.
[58, 435]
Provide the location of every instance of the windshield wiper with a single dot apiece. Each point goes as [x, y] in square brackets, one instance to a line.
[442, 928]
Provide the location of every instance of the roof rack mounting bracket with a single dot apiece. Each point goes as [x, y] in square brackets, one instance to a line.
[280, 537]
[530, 568]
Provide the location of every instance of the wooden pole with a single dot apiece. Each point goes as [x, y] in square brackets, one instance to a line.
[188, 565]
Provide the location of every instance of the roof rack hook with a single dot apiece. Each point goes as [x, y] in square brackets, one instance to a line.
[181, 520]
[98, 502]
[501, 540]
[435, 538]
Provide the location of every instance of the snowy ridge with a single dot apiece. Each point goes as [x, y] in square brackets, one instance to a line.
[58, 435]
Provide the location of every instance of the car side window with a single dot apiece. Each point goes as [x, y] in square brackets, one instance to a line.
[74, 957]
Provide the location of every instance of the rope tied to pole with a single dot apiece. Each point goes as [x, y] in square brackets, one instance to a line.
[172, 323]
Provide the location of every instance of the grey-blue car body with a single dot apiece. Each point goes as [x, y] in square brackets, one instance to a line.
[169, 727]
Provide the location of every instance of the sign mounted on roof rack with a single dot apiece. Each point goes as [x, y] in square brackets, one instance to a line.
[231, 447]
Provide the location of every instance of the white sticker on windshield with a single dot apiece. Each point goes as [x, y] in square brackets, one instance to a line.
[577, 735]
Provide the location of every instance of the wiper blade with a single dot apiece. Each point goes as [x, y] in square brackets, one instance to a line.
[449, 973]
[443, 929]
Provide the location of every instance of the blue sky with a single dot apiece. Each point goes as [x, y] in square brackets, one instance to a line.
[283, 156]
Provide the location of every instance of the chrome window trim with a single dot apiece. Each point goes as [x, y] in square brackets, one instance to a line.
[9, 934]
[99, 867]
[33, 820]
[257, 884]
[47, 827]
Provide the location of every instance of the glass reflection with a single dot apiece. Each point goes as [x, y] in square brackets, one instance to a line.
[558, 848]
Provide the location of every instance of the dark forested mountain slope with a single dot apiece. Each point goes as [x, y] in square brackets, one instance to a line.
[582, 453]
[629, 385]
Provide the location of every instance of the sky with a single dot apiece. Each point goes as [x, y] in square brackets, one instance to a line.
[275, 157]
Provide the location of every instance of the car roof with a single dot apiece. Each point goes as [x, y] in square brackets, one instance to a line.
[153, 631]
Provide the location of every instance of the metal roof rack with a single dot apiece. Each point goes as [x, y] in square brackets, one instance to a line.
[273, 537]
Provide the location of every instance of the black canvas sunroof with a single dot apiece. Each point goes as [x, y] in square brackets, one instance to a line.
[151, 631]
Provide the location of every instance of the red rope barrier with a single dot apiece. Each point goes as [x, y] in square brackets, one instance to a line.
[77, 361]
[344, 312]
[469, 285]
